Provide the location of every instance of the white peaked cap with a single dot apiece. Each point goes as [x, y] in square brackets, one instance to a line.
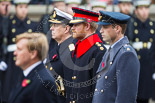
[63, 14]
[21, 1]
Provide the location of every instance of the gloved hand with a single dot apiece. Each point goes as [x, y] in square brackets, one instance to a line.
[153, 76]
[3, 66]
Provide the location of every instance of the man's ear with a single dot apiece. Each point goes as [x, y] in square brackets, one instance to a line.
[67, 29]
[117, 29]
[87, 26]
[34, 54]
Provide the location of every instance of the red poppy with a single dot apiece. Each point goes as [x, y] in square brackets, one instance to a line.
[102, 64]
[25, 82]
[54, 56]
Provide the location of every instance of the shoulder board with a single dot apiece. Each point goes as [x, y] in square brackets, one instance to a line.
[100, 45]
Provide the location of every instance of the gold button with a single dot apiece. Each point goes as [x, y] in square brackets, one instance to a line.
[137, 39]
[74, 77]
[13, 30]
[14, 58]
[110, 63]
[51, 68]
[96, 90]
[151, 40]
[28, 22]
[71, 47]
[152, 31]
[102, 90]
[135, 24]
[101, 48]
[151, 23]
[13, 39]
[11, 17]
[139, 56]
[106, 77]
[128, 49]
[13, 21]
[136, 31]
[46, 66]
[30, 30]
[145, 45]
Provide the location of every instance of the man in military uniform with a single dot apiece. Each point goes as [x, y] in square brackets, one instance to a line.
[18, 24]
[70, 4]
[97, 5]
[44, 24]
[59, 47]
[142, 37]
[5, 6]
[86, 56]
[125, 6]
[118, 73]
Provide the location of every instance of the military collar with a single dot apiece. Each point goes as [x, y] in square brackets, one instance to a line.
[18, 21]
[117, 47]
[83, 46]
[140, 23]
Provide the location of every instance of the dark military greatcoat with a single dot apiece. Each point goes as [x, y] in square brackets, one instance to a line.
[142, 38]
[117, 75]
[86, 59]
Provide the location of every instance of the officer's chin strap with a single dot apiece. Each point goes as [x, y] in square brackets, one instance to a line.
[60, 85]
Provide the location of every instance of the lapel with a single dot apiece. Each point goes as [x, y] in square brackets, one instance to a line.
[113, 52]
[19, 87]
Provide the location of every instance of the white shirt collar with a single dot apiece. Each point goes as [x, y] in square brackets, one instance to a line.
[116, 42]
[29, 69]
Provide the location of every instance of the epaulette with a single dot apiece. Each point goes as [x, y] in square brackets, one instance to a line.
[100, 45]
[127, 47]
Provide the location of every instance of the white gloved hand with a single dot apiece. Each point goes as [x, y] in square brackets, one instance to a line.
[3, 66]
[153, 76]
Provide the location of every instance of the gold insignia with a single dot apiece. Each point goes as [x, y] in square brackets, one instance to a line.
[54, 14]
[151, 40]
[136, 31]
[71, 47]
[13, 30]
[128, 49]
[13, 21]
[46, 66]
[74, 77]
[145, 45]
[137, 39]
[152, 31]
[28, 21]
[101, 48]
[13, 40]
[51, 68]
[151, 23]
[100, 17]
[135, 24]
[30, 30]
[97, 43]
[73, 13]
[139, 56]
